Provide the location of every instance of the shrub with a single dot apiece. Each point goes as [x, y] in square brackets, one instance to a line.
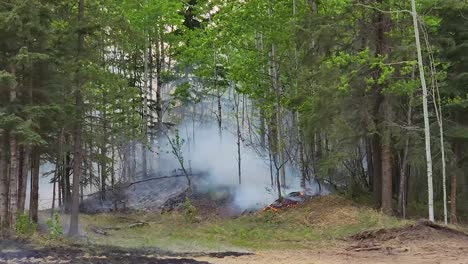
[25, 226]
[54, 228]
[190, 211]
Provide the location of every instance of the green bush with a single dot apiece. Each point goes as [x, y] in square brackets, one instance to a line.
[190, 211]
[25, 226]
[54, 228]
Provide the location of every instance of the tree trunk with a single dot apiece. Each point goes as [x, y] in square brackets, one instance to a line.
[23, 179]
[66, 183]
[3, 182]
[404, 164]
[104, 155]
[77, 135]
[13, 179]
[34, 192]
[144, 152]
[239, 158]
[13, 188]
[387, 175]
[427, 132]
[453, 199]
[159, 61]
[56, 173]
[377, 166]
[453, 181]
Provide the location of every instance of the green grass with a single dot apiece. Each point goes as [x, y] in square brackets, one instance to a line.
[318, 222]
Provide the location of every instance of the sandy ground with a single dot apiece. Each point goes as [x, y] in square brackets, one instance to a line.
[440, 252]
[420, 243]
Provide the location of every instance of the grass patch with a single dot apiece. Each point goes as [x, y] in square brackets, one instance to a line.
[319, 221]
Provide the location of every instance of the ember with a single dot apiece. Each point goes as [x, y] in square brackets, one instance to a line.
[290, 201]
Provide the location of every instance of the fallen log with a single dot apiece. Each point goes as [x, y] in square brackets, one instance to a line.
[103, 230]
[99, 231]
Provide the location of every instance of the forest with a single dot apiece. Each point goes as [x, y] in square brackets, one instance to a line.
[233, 118]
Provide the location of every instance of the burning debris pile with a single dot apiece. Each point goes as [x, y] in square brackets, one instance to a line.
[170, 193]
[291, 200]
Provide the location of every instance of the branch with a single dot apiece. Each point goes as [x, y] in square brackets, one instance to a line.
[383, 11]
[144, 180]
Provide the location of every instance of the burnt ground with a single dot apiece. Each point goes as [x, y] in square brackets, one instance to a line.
[16, 251]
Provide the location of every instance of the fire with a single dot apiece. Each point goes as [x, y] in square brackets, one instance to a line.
[292, 200]
[270, 208]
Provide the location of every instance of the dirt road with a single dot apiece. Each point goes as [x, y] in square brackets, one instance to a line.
[422, 243]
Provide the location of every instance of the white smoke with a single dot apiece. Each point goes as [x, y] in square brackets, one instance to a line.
[205, 151]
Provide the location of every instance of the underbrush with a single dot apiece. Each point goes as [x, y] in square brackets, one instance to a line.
[319, 221]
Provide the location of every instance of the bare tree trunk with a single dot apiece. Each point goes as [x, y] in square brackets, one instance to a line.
[403, 177]
[239, 158]
[159, 62]
[34, 193]
[104, 154]
[78, 133]
[3, 182]
[453, 182]
[387, 174]
[56, 173]
[13, 188]
[145, 110]
[453, 199]
[67, 185]
[23, 178]
[427, 132]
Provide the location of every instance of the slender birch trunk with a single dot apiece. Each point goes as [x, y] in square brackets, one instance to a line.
[427, 132]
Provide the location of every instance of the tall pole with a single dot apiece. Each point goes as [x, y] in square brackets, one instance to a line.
[427, 133]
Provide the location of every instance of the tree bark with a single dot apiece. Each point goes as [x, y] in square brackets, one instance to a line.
[104, 154]
[23, 178]
[14, 169]
[387, 175]
[453, 199]
[77, 135]
[3, 182]
[427, 132]
[159, 62]
[34, 193]
[144, 152]
[239, 137]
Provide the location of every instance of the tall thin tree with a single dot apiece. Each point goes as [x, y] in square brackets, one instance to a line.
[427, 132]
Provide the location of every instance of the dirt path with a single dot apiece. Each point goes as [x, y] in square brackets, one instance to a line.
[419, 254]
[421, 243]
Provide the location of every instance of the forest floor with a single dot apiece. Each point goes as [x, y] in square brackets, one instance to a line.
[324, 230]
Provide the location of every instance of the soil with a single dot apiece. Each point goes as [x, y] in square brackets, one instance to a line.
[423, 242]
[13, 252]
[420, 243]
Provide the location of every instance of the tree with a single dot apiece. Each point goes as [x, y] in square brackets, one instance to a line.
[427, 133]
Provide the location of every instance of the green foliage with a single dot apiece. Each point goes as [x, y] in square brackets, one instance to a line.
[54, 228]
[25, 226]
[190, 211]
